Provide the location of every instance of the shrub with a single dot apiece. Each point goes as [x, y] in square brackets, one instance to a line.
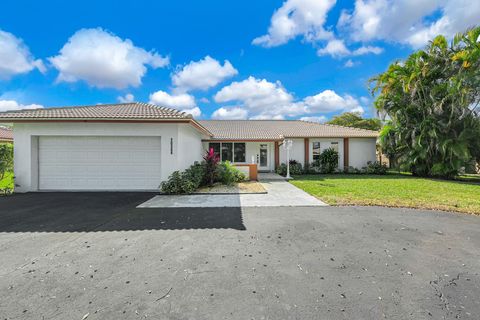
[327, 162]
[354, 170]
[6, 159]
[228, 174]
[177, 183]
[196, 173]
[375, 167]
[185, 182]
[295, 168]
[211, 164]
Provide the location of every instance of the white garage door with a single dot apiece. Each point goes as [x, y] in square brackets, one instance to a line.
[99, 163]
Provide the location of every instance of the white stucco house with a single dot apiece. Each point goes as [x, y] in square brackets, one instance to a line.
[135, 146]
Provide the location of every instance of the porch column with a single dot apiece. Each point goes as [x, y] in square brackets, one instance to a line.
[277, 155]
[345, 154]
[307, 151]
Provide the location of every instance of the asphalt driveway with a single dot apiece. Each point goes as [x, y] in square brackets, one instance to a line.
[96, 256]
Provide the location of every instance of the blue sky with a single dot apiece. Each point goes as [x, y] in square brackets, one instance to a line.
[292, 59]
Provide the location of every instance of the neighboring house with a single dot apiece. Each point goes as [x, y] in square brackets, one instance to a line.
[6, 135]
[135, 146]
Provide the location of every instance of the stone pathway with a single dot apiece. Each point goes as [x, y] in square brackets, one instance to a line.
[280, 193]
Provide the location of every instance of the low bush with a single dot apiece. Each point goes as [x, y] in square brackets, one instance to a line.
[295, 168]
[228, 174]
[185, 182]
[375, 167]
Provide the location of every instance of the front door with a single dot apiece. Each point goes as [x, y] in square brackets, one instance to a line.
[263, 157]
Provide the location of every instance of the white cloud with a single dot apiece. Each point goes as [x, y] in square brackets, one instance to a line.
[320, 119]
[267, 100]
[15, 57]
[366, 50]
[268, 117]
[349, 63]
[12, 105]
[337, 49]
[334, 48]
[126, 98]
[104, 60]
[176, 101]
[234, 113]
[195, 111]
[204, 100]
[256, 94]
[203, 74]
[330, 101]
[297, 18]
[409, 22]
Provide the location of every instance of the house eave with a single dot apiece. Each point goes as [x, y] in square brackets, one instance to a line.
[192, 122]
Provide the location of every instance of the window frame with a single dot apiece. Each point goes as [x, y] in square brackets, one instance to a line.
[316, 156]
[235, 152]
[233, 159]
[223, 156]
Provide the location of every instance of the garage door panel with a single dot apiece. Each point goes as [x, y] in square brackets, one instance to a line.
[99, 163]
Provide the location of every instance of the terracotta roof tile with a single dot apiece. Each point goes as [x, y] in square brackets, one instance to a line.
[279, 129]
[120, 111]
[6, 134]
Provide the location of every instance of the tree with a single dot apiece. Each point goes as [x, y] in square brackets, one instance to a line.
[6, 159]
[432, 99]
[354, 119]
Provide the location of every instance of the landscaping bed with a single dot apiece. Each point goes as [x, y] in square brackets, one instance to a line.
[246, 187]
[393, 190]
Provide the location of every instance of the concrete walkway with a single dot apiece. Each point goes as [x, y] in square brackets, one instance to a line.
[279, 194]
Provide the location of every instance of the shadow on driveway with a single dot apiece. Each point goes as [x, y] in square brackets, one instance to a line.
[105, 211]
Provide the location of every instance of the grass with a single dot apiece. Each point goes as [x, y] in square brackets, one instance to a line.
[394, 190]
[7, 181]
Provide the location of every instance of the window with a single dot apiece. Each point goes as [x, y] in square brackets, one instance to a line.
[227, 151]
[215, 146]
[335, 146]
[239, 152]
[316, 151]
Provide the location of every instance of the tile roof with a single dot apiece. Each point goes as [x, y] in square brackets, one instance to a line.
[6, 134]
[279, 129]
[119, 111]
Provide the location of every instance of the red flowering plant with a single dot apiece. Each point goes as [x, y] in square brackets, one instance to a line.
[211, 162]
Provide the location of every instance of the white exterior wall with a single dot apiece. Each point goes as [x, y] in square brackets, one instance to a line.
[296, 153]
[26, 144]
[361, 150]
[189, 146]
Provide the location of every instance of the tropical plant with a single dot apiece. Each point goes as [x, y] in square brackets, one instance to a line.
[355, 120]
[6, 159]
[432, 99]
[228, 174]
[327, 162]
[211, 162]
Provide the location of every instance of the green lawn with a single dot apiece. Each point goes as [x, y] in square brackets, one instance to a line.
[7, 181]
[394, 190]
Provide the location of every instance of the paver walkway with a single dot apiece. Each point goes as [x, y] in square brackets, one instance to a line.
[280, 193]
